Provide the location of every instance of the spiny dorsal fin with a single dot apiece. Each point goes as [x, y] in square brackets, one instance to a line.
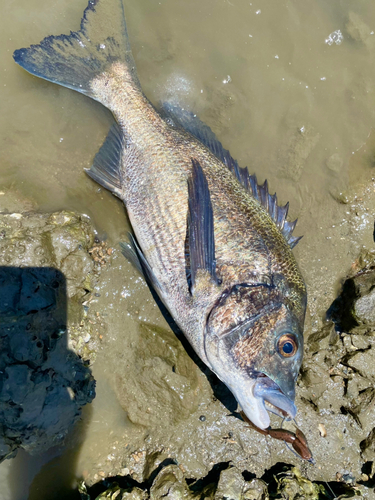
[189, 122]
[269, 202]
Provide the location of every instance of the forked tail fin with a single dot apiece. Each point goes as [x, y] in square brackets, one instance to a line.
[75, 60]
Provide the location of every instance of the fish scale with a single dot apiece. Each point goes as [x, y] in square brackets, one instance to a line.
[214, 244]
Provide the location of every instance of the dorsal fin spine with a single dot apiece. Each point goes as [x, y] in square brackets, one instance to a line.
[288, 228]
[293, 240]
[273, 206]
[254, 186]
[264, 194]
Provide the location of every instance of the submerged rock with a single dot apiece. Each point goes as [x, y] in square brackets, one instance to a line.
[43, 384]
[358, 30]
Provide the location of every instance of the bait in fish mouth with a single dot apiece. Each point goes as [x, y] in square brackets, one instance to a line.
[213, 243]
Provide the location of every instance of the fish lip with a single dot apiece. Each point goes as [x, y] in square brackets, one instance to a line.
[260, 396]
[273, 398]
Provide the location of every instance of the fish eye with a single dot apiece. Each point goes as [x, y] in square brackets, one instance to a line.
[287, 345]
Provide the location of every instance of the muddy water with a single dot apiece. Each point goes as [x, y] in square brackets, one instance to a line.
[288, 101]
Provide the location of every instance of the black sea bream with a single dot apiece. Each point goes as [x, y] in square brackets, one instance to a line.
[215, 246]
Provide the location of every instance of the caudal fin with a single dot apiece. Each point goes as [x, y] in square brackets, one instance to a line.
[75, 60]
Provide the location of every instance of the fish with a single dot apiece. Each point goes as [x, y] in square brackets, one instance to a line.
[214, 244]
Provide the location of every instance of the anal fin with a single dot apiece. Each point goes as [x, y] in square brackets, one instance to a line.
[134, 254]
[106, 169]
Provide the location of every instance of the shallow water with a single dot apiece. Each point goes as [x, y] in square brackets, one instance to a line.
[293, 108]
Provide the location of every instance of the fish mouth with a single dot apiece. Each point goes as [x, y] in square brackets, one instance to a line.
[265, 396]
[273, 398]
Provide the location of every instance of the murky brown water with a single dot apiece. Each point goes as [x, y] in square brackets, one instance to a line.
[295, 109]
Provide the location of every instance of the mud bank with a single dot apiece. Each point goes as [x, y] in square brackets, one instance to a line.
[183, 437]
[181, 415]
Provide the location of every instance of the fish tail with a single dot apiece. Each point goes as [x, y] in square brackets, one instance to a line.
[75, 60]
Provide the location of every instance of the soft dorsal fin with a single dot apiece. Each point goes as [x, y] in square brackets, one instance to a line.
[188, 121]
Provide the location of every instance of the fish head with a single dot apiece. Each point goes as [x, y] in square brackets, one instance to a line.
[254, 343]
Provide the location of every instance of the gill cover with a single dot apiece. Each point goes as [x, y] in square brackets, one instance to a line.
[254, 344]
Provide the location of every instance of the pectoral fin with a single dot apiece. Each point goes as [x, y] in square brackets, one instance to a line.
[200, 229]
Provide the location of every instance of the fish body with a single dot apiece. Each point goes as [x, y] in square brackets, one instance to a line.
[213, 244]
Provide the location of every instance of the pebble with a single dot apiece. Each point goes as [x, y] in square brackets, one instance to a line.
[348, 478]
[322, 430]
[335, 163]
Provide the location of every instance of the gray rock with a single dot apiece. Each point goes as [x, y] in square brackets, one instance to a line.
[232, 486]
[256, 490]
[364, 362]
[170, 484]
[365, 308]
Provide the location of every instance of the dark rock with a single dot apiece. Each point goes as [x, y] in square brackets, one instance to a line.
[43, 384]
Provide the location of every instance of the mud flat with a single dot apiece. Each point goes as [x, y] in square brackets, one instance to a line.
[186, 440]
